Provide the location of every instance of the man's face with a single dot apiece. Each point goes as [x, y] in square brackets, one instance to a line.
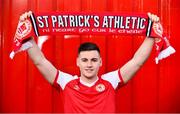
[89, 63]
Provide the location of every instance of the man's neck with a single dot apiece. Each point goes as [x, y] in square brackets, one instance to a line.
[88, 81]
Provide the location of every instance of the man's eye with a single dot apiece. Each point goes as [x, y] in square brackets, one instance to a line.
[84, 60]
[94, 60]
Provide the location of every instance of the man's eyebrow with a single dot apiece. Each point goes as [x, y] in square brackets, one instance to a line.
[94, 58]
[83, 58]
[91, 58]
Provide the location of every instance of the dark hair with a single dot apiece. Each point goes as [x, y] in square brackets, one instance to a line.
[88, 46]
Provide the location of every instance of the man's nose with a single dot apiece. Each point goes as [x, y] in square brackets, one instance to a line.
[89, 64]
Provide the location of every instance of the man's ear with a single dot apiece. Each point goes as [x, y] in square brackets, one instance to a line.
[77, 61]
[100, 61]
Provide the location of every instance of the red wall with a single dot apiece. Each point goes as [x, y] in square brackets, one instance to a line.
[154, 88]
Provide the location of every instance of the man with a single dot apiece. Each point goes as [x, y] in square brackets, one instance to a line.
[89, 92]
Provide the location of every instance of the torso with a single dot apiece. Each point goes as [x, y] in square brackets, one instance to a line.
[80, 98]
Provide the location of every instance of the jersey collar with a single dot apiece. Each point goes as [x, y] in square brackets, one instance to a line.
[88, 84]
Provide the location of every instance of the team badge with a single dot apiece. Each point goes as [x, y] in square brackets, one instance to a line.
[23, 29]
[100, 87]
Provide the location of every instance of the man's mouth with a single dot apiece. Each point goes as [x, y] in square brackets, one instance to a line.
[88, 70]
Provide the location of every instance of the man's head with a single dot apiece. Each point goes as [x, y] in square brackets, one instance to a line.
[89, 60]
[88, 46]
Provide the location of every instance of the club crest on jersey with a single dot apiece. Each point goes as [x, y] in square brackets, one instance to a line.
[100, 87]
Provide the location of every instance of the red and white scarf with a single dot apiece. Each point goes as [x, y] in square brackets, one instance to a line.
[63, 23]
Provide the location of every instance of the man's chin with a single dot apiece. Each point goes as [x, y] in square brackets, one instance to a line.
[89, 76]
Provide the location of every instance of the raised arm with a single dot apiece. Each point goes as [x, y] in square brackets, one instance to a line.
[35, 54]
[43, 65]
[132, 66]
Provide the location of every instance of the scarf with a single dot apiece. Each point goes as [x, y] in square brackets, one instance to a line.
[63, 23]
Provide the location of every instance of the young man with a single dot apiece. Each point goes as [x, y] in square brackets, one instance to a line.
[90, 93]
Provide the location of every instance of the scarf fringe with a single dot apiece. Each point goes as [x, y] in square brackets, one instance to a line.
[24, 47]
[165, 53]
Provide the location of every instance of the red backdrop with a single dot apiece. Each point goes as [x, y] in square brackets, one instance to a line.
[153, 89]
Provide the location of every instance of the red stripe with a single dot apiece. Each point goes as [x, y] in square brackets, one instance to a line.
[55, 84]
[120, 77]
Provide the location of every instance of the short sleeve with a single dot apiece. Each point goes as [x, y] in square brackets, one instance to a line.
[114, 78]
[62, 79]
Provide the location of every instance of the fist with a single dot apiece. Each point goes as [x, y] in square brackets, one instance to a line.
[157, 27]
[153, 17]
[25, 15]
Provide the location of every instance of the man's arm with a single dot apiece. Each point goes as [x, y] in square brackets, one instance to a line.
[141, 55]
[43, 65]
[35, 54]
[131, 67]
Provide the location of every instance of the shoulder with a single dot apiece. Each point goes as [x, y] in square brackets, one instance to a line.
[113, 77]
[64, 78]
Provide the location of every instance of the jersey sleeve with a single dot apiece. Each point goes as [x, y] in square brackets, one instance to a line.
[114, 78]
[62, 79]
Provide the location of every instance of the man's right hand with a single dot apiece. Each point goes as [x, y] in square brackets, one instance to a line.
[25, 15]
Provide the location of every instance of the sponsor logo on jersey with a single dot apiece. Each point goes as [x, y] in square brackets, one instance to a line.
[76, 87]
[100, 87]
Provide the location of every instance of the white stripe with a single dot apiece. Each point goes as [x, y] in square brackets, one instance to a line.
[149, 27]
[34, 24]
